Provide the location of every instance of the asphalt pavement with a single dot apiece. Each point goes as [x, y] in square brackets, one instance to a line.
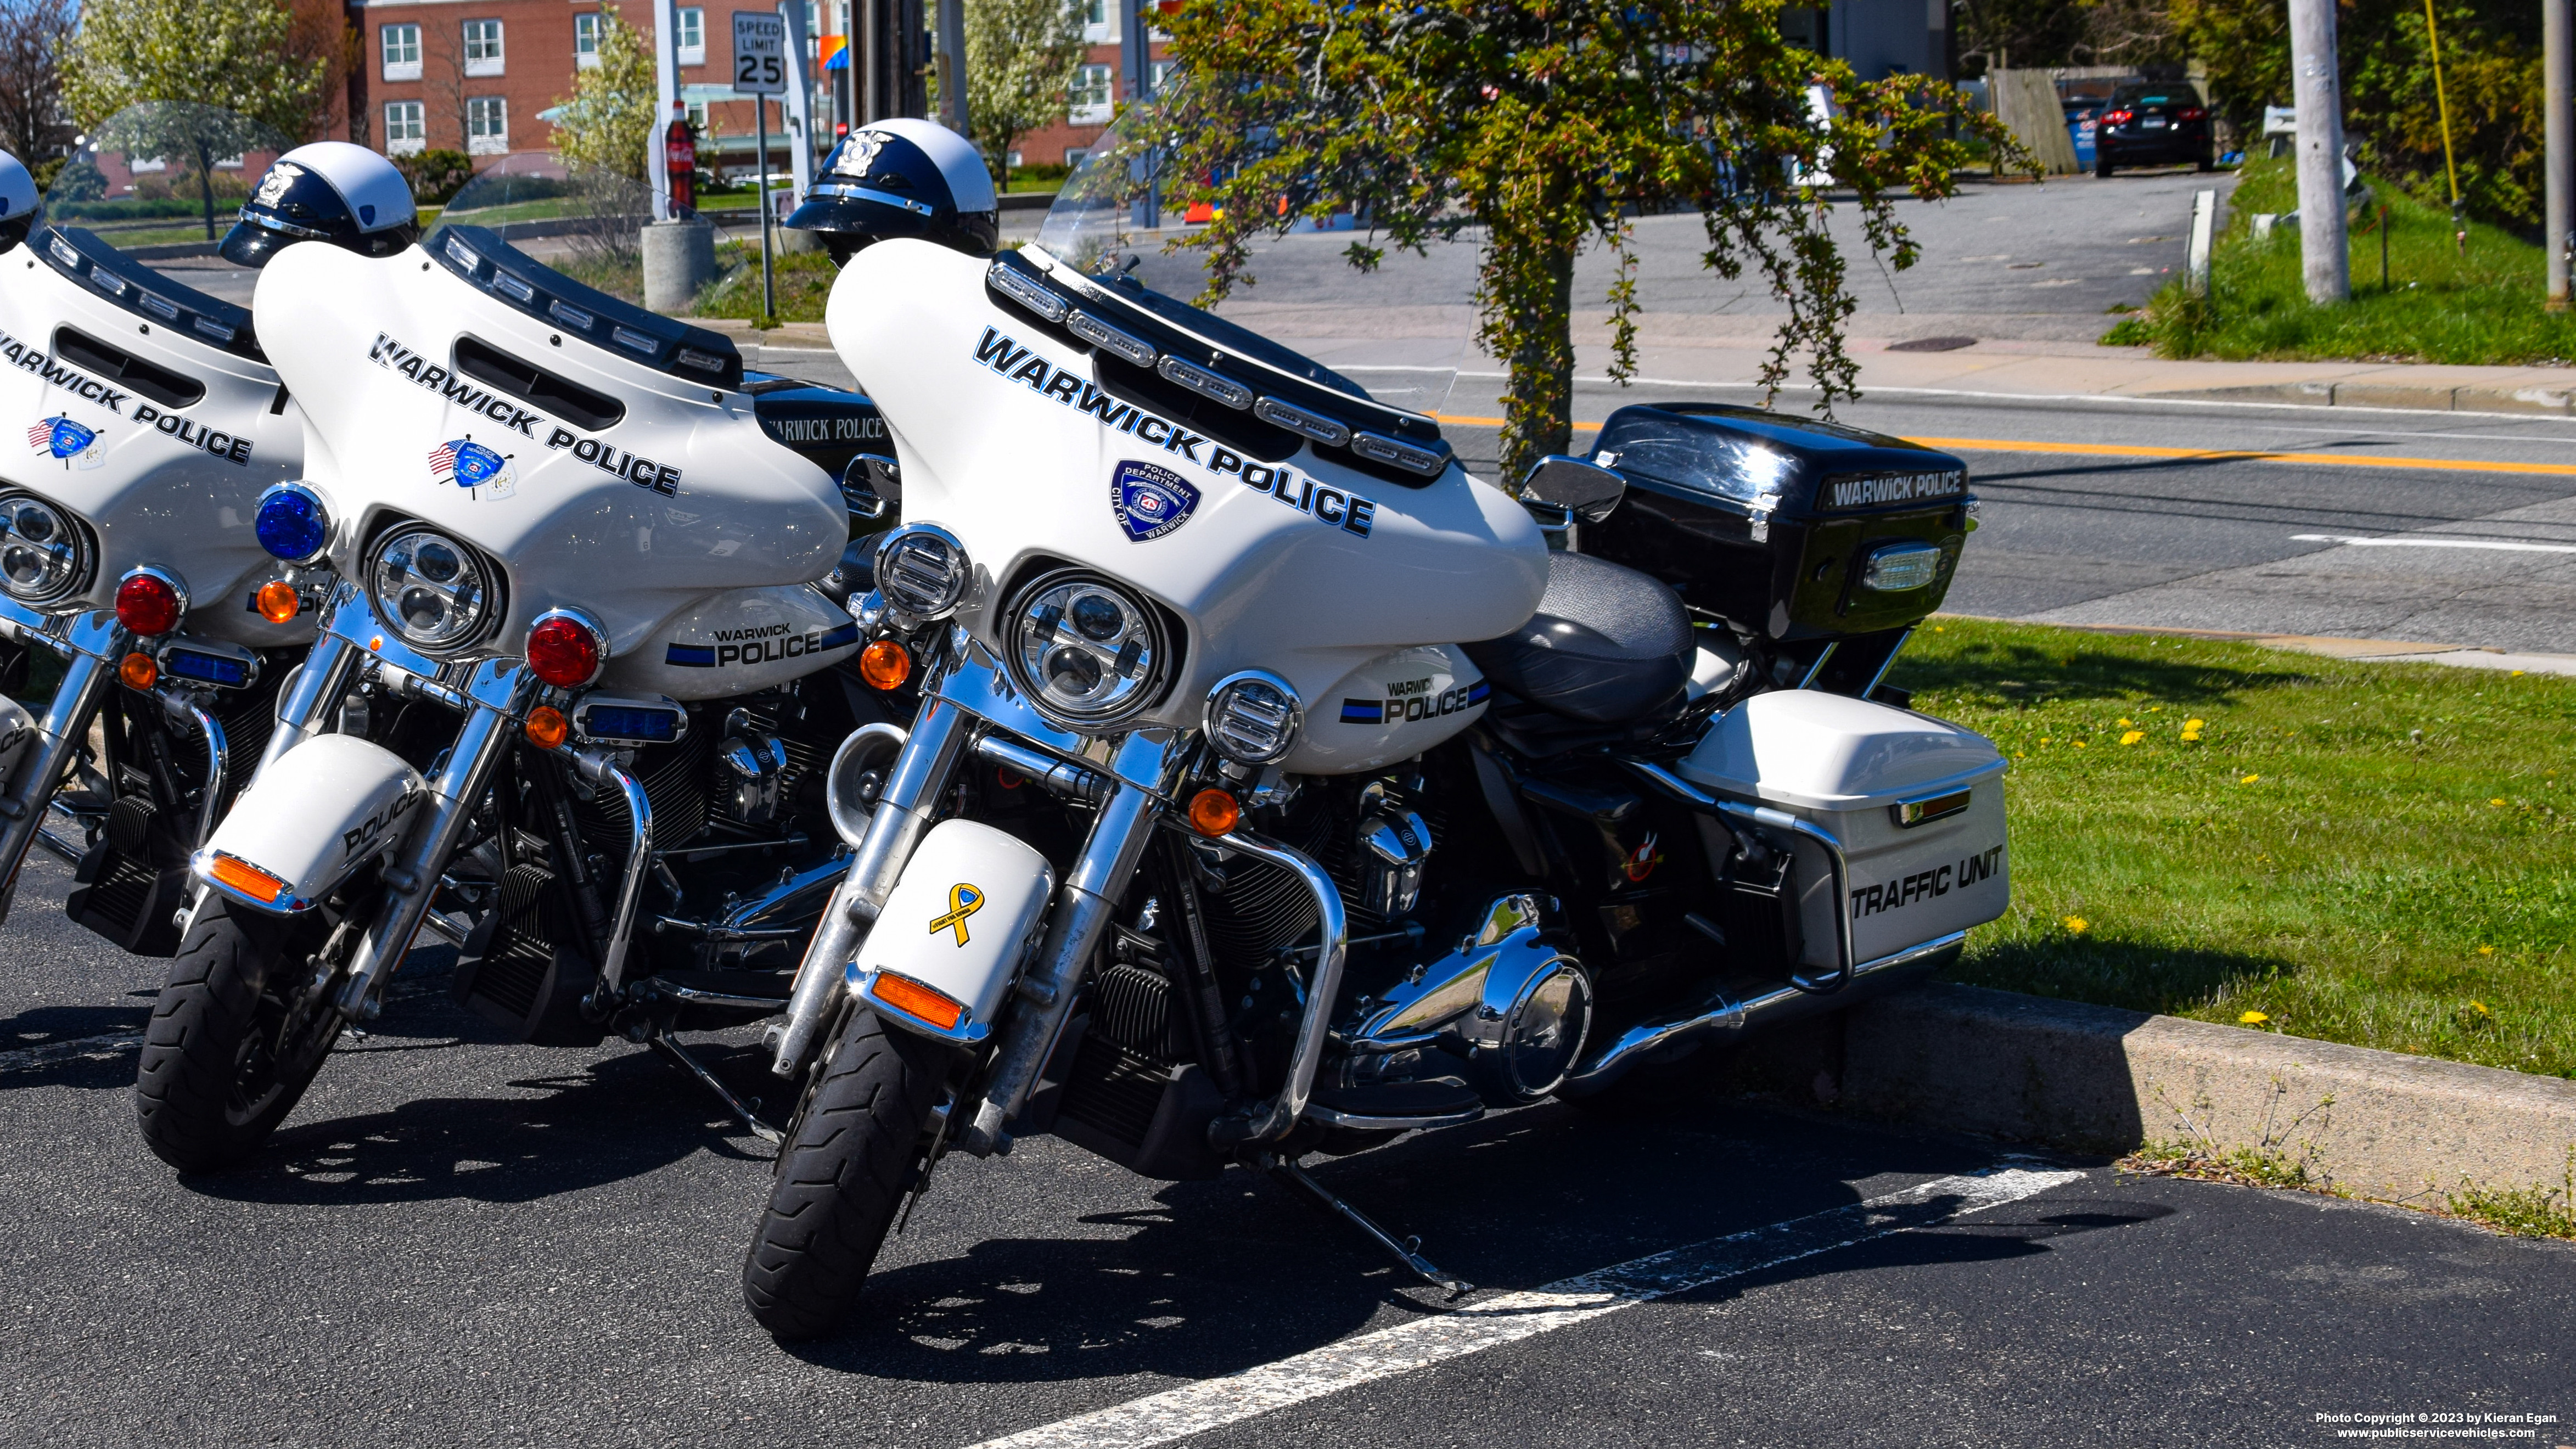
[460, 1241]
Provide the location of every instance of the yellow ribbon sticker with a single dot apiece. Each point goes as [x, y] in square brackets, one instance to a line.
[963, 901]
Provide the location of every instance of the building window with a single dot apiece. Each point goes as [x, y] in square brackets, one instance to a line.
[402, 52]
[691, 40]
[405, 135]
[487, 126]
[1090, 96]
[1161, 70]
[585, 40]
[1099, 22]
[697, 114]
[482, 47]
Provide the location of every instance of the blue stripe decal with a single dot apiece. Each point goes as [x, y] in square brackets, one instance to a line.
[695, 656]
[1477, 692]
[841, 638]
[1363, 711]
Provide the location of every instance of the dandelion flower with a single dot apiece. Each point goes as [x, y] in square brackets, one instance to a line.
[2480, 1008]
[2498, 801]
[2252, 1018]
[1940, 629]
[2155, 709]
[2124, 724]
[2486, 950]
[2250, 779]
[2191, 737]
[2194, 724]
[2078, 925]
[2133, 736]
[2079, 744]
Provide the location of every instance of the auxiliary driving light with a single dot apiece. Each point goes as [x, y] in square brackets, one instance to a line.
[291, 523]
[150, 601]
[564, 649]
[922, 570]
[1253, 717]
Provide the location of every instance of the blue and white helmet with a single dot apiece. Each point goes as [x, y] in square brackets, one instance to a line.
[21, 205]
[902, 177]
[330, 191]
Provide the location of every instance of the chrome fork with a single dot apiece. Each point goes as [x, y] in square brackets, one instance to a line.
[91, 646]
[921, 771]
[498, 693]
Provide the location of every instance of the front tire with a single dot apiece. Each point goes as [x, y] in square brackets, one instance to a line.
[235, 1038]
[842, 1176]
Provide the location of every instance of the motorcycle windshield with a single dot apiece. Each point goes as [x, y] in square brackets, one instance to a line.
[535, 202]
[1400, 333]
[154, 187]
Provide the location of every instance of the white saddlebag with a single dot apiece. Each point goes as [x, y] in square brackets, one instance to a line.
[1916, 803]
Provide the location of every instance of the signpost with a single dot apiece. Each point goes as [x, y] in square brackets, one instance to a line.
[760, 71]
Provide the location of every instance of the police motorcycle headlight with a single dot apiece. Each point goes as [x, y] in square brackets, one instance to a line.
[437, 593]
[1253, 717]
[292, 523]
[44, 552]
[922, 570]
[1088, 653]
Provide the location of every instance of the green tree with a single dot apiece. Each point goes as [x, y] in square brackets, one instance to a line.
[1020, 59]
[234, 55]
[1547, 125]
[607, 124]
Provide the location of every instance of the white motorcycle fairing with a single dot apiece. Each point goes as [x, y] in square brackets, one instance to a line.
[1307, 568]
[959, 922]
[676, 525]
[160, 477]
[309, 827]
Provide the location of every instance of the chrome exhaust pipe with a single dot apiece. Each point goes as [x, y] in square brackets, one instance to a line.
[90, 646]
[1724, 1017]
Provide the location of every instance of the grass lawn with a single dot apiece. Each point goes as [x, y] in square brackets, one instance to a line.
[2439, 306]
[2362, 853]
[803, 281]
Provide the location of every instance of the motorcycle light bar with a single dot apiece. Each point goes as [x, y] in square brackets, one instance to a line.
[1100, 334]
[616, 722]
[1205, 383]
[1898, 567]
[81, 256]
[1287, 392]
[479, 256]
[204, 663]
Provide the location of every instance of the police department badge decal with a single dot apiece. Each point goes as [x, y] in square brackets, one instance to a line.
[473, 467]
[59, 437]
[1150, 501]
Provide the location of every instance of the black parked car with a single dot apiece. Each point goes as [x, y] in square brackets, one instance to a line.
[2151, 124]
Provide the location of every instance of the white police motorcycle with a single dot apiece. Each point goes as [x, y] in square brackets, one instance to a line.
[138, 522]
[1278, 788]
[580, 660]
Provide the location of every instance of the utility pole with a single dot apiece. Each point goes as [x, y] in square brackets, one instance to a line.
[952, 65]
[1136, 58]
[2558, 68]
[2323, 247]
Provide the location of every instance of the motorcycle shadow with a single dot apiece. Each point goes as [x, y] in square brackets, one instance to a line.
[1220, 1276]
[88, 1048]
[622, 1117]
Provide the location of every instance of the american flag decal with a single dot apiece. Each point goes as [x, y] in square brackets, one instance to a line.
[442, 459]
[41, 434]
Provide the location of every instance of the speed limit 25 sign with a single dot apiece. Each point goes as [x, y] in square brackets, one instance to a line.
[759, 52]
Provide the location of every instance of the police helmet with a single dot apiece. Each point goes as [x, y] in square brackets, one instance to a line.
[330, 191]
[902, 177]
[20, 204]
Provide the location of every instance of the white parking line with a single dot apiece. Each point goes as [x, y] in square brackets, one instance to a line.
[1511, 1317]
[2420, 541]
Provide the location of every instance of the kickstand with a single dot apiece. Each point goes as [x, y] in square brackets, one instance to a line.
[746, 1111]
[1407, 1251]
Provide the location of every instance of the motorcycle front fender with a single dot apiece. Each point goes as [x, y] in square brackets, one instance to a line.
[954, 932]
[303, 826]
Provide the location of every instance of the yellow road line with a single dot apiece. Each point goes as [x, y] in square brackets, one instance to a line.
[2214, 455]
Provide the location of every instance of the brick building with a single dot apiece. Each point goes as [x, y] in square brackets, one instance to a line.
[478, 75]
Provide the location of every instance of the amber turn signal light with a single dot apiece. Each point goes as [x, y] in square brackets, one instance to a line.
[547, 728]
[137, 671]
[915, 999]
[885, 664]
[1214, 813]
[247, 878]
[276, 601]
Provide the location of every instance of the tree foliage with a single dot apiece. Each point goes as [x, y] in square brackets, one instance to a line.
[607, 123]
[33, 34]
[1547, 125]
[2490, 54]
[233, 55]
[1020, 59]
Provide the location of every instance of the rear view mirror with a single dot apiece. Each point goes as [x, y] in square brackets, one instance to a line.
[1586, 491]
[872, 486]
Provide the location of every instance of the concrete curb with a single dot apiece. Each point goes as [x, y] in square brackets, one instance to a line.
[2093, 1078]
[2552, 401]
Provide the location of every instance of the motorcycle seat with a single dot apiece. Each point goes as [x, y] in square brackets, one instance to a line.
[1608, 644]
